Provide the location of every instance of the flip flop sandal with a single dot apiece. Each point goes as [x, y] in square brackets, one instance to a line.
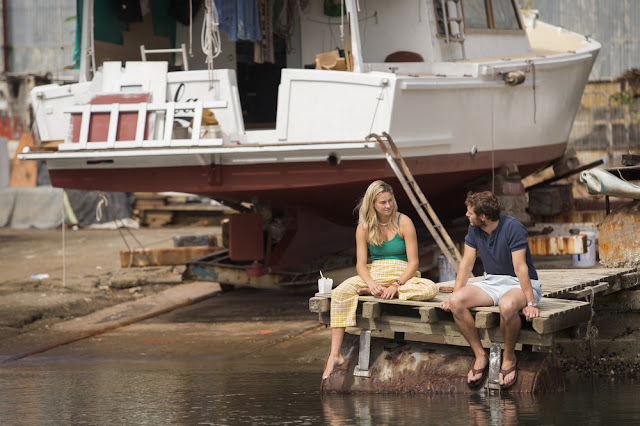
[478, 382]
[505, 373]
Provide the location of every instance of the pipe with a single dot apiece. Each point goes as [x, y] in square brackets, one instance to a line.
[5, 44]
[600, 181]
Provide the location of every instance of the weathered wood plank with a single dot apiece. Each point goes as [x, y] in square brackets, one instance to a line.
[486, 319]
[588, 291]
[371, 310]
[558, 322]
[448, 329]
[430, 314]
[626, 281]
[319, 304]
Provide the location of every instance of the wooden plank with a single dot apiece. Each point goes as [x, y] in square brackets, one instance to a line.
[626, 281]
[588, 291]
[319, 304]
[164, 256]
[448, 329]
[566, 319]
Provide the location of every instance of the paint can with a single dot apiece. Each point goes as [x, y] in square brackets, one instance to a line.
[446, 271]
[587, 259]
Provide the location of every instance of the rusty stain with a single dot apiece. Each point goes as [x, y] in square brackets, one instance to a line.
[409, 368]
[619, 235]
[542, 246]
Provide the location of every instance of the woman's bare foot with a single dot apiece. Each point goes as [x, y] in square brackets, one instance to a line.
[332, 362]
[364, 291]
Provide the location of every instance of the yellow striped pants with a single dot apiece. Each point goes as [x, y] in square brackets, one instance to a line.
[344, 298]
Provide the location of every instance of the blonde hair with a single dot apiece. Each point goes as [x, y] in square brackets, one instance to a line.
[367, 212]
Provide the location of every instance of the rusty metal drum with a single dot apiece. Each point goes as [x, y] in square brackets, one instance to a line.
[415, 367]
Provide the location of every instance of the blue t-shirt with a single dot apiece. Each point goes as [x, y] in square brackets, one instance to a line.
[495, 251]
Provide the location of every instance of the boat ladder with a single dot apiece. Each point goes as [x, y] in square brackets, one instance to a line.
[435, 227]
[453, 25]
[182, 49]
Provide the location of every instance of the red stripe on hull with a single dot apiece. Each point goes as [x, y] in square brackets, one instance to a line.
[332, 191]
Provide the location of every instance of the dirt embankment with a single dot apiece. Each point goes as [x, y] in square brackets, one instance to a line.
[45, 279]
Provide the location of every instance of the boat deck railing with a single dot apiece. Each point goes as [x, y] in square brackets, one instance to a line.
[142, 109]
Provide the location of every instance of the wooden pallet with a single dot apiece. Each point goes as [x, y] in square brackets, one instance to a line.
[557, 311]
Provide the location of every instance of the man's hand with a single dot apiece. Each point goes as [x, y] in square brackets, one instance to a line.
[444, 305]
[530, 312]
[389, 292]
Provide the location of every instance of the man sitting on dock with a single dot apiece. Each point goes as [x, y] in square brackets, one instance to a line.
[510, 281]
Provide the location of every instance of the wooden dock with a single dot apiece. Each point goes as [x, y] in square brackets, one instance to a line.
[565, 306]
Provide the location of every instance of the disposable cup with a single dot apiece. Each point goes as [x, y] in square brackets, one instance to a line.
[325, 285]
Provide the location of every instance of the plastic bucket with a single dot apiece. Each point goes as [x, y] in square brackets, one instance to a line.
[589, 258]
[446, 271]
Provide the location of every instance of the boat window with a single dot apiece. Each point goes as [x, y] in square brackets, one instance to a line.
[475, 14]
[487, 14]
[504, 15]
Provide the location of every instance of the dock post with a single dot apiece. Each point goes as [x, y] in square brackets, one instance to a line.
[362, 369]
[495, 360]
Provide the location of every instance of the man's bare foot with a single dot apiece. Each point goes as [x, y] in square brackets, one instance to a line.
[332, 362]
[478, 371]
[364, 291]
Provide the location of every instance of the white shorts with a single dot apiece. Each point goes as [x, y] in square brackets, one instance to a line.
[497, 285]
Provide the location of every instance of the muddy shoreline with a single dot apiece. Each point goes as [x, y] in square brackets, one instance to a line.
[91, 279]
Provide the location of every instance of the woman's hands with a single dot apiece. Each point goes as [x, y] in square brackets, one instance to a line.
[383, 292]
[389, 292]
[376, 289]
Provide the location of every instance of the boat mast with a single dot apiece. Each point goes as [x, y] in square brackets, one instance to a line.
[356, 49]
[86, 43]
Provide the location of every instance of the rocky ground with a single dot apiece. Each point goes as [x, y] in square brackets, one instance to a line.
[45, 278]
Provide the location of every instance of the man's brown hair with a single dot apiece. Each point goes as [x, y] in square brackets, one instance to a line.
[485, 203]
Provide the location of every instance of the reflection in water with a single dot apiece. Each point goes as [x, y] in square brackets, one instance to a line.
[224, 393]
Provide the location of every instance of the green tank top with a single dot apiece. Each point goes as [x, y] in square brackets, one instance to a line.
[395, 248]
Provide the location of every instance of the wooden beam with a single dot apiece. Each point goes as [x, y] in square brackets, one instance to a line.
[371, 310]
[430, 314]
[319, 304]
[448, 329]
[486, 319]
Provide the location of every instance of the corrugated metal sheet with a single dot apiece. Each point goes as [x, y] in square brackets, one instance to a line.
[41, 35]
[615, 24]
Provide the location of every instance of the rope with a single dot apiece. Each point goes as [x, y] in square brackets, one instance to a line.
[191, 28]
[493, 153]
[105, 202]
[64, 257]
[375, 111]
[210, 36]
[532, 67]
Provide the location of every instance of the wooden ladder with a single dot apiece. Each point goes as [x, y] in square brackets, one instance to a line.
[437, 230]
[455, 17]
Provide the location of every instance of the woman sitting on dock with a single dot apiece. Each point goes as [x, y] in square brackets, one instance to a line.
[390, 238]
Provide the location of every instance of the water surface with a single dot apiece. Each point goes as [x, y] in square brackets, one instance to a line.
[230, 393]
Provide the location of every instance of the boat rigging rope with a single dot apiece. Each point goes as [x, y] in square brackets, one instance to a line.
[532, 67]
[210, 36]
[104, 201]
